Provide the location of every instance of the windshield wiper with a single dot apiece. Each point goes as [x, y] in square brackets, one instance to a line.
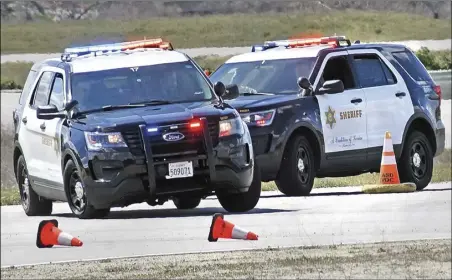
[255, 93]
[151, 102]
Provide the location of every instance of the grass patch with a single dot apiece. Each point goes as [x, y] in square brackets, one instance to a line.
[222, 30]
[441, 173]
[402, 260]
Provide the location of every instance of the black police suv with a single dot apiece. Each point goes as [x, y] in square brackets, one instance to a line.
[320, 107]
[102, 128]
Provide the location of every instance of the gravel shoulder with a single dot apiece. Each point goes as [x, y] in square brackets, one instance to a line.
[426, 259]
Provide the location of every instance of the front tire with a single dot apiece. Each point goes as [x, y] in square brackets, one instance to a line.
[76, 195]
[183, 203]
[243, 202]
[32, 204]
[416, 162]
[297, 171]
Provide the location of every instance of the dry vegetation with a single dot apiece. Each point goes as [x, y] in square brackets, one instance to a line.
[399, 260]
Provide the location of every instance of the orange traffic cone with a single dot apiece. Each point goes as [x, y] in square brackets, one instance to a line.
[388, 167]
[389, 181]
[49, 234]
[224, 229]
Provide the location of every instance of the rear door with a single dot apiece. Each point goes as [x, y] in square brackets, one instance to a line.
[343, 115]
[30, 135]
[389, 105]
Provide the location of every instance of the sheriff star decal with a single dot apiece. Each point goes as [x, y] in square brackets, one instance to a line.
[330, 120]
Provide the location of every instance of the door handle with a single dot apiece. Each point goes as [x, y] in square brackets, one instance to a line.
[43, 126]
[356, 100]
[24, 120]
[400, 94]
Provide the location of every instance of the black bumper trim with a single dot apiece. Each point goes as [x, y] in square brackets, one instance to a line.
[149, 159]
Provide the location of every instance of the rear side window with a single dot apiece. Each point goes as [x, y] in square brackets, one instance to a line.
[372, 72]
[27, 86]
[412, 65]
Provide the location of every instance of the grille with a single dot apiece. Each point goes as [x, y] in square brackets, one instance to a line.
[193, 143]
[133, 140]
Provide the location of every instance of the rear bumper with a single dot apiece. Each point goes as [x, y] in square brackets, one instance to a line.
[440, 134]
[116, 179]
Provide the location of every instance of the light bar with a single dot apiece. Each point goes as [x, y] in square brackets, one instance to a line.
[333, 41]
[156, 43]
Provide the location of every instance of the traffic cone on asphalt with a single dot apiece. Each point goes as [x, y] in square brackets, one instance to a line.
[389, 181]
[224, 229]
[49, 235]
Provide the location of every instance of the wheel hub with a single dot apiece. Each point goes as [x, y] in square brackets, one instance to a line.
[79, 191]
[300, 165]
[417, 160]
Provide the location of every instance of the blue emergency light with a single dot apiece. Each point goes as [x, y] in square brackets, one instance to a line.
[157, 43]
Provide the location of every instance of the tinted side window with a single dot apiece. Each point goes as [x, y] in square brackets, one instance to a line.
[27, 86]
[338, 68]
[42, 90]
[412, 65]
[370, 71]
[57, 93]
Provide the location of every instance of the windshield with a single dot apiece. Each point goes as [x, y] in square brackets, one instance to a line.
[265, 76]
[173, 82]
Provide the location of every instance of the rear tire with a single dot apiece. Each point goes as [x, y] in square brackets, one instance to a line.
[32, 203]
[297, 170]
[416, 162]
[76, 195]
[183, 203]
[243, 202]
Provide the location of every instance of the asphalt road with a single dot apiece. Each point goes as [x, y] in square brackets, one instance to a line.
[328, 217]
[226, 51]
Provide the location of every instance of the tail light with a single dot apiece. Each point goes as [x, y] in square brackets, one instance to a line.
[437, 89]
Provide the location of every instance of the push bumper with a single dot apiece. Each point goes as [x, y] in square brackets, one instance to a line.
[228, 167]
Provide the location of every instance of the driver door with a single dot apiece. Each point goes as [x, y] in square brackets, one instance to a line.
[343, 115]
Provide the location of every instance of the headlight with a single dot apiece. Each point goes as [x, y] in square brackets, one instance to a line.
[262, 118]
[231, 127]
[100, 140]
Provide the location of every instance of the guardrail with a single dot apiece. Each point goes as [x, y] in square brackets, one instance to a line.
[443, 78]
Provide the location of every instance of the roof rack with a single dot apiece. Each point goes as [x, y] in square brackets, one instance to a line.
[332, 41]
[105, 49]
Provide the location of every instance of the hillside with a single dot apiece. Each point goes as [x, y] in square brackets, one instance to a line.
[20, 11]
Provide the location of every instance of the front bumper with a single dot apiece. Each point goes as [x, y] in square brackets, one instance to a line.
[117, 179]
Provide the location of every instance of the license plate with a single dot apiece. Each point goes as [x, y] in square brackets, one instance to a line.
[180, 170]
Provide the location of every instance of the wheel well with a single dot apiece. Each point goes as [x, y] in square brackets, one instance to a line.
[16, 155]
[423, 126]
[310, 136]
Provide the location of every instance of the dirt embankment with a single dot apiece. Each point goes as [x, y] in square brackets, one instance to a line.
[79, 10]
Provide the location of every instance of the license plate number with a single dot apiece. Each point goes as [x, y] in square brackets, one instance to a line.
[180, 170]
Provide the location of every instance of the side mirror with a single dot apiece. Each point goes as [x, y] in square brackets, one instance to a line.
[232, 92]
[71, 105]
[304, 83]
[219, 89]
[331, 87]
[49, 112]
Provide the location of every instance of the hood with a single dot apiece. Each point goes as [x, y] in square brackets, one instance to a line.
[255, 101]
[148, 115]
